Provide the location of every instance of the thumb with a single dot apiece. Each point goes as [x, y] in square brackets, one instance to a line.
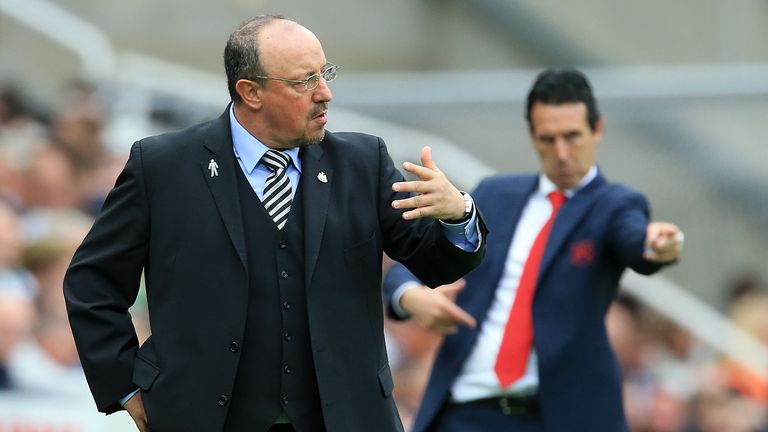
[426, 158]
[453, 289]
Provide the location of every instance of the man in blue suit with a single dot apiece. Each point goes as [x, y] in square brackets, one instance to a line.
[540, 359]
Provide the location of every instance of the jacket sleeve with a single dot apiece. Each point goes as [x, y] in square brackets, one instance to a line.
[396, 276]
[627, 233]
[420, 244]
[102, 282]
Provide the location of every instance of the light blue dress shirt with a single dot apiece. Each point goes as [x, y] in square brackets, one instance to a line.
[249, 151]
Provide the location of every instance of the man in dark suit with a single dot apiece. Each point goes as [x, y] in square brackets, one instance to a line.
[260, 237]
[540, 359]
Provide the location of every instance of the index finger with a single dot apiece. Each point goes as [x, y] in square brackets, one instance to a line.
[423, 173]
[460, 316]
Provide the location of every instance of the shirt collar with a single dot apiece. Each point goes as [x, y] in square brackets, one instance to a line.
[249, 149]
[546, 186]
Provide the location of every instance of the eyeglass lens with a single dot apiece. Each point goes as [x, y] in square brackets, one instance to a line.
[329, 74]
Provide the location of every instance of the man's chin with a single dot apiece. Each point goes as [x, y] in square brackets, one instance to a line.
[311, 140]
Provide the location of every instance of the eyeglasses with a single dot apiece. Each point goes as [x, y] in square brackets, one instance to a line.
[328, 73]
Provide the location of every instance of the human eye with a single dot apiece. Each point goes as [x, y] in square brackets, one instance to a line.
[546, 139]
[312, 81]
[572, 136]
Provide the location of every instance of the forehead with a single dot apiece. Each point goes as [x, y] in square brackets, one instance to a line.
[289, 48]
[552, 117]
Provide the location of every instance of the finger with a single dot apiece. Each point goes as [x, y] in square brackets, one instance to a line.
[426, 158]
[450, 330]
[458, 284]
[654, 228]
[423, 211]
[672, 234]
[417, 213]
[667, 240]
[660, 256]
[413, 202]
[410, 186]
[444, 329]
[665, 233]
[421, 172]
[659, 247]
[659, 243]
[460, 316]
[451, 290]
[651, 256]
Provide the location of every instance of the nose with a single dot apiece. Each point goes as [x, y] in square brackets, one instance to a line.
[322, 92]
[561, 149]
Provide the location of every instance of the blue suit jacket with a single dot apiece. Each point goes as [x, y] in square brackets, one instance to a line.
[598, 233]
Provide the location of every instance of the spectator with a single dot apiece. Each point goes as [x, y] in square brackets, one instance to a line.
[17, 314]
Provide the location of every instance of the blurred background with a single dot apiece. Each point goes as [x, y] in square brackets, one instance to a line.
[683, 88]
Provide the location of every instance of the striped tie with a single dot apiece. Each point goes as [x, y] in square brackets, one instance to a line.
[277, 189]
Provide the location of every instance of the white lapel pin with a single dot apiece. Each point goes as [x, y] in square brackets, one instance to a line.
[322, 177]
[214, 167]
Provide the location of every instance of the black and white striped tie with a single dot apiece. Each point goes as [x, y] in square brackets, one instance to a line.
[277, 189]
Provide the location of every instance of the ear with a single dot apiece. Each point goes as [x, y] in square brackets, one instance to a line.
[250, 93]
[599, 128]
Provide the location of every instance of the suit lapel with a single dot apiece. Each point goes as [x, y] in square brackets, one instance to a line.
[317, 180]
[568, 219]
[223, 183]
[502, 212]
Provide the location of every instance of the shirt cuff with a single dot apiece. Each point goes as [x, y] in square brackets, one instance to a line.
[464, 235]
[128, 397]
[399, 311]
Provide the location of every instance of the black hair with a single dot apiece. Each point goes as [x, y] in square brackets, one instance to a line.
[561, 86]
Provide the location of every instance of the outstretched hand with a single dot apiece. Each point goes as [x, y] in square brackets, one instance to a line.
[435, 309]
[663, 242]
[435, 195]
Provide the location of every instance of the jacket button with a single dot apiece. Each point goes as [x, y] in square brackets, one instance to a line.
[283, 244]
[223, 399]
[287, 369]
[286, 305]
[284, 400]
[234, 347]
[284, 274]
[287, 337]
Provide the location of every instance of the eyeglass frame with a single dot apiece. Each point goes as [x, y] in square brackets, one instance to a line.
[329, 67]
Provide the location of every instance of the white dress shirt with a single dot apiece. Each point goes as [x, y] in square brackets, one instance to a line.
[477, 379]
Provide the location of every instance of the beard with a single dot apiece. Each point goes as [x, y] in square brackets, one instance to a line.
[310, 140]
[317, 137]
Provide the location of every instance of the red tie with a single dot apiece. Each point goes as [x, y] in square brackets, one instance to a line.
[518, 333]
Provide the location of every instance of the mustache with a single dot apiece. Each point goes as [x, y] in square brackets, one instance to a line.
[319, 108]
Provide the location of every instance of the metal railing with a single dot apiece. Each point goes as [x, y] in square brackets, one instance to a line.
[87, 41]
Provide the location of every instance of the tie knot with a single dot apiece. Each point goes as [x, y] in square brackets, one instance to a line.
[275, 159]
[557, 198]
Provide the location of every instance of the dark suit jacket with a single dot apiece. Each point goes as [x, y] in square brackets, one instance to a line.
[169, 217]
[597, 234]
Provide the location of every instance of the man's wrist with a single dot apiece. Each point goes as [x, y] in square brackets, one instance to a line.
[128, 397]
[469, 206]
[397, 298]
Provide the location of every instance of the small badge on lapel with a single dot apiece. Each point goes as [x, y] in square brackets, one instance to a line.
[322, 177]
[583, 253]
[214, 168]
